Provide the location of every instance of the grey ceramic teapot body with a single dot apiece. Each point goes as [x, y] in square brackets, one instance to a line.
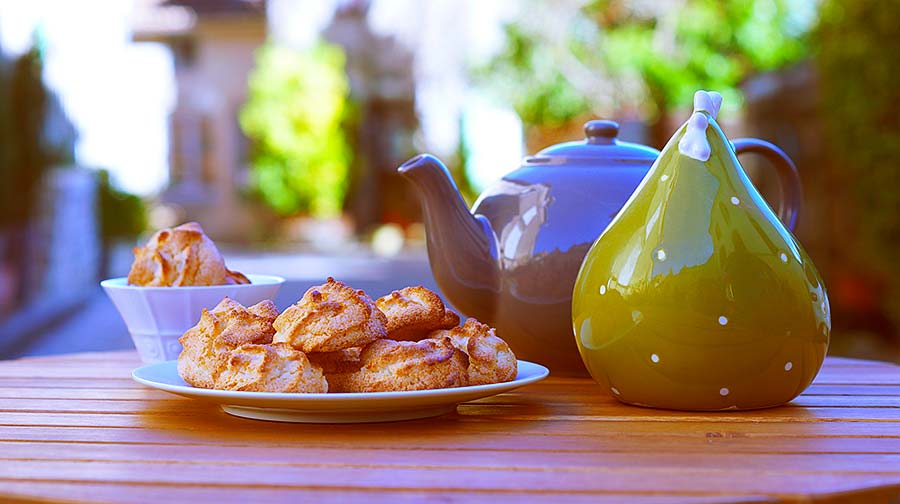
[512, 261]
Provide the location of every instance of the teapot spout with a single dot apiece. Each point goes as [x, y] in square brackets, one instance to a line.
[462, 247]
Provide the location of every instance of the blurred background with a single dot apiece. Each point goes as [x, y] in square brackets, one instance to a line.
[278, 125]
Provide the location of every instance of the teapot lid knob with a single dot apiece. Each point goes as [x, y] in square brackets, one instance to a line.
[600, 131]
[602, 147]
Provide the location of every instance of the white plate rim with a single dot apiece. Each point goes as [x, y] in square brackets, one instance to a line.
[533, 373]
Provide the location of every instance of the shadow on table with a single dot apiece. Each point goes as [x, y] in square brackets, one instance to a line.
[197, 422]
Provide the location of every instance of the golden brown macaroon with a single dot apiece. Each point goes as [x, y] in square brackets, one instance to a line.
[341, 361]
[228, 326]
[490, 358]
[181, 256]
[413, 312]
[388, 366]
[271, 368]
[235, 277]
[330, 317]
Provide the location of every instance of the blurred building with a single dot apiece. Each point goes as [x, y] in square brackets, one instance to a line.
[213, 44]
[380, 70]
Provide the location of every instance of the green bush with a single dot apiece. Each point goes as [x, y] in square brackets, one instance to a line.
[626, 53]
[27, 109]
[122, 215]
[297, 102]
[859, 85]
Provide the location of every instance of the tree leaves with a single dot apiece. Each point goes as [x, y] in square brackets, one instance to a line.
[669, 49]
[297, 102]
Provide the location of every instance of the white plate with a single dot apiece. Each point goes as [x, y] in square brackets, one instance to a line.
[333, 408]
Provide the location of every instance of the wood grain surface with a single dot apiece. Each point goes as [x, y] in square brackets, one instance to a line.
[77, 428]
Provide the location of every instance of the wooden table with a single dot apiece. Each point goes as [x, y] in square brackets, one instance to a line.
[77, 428]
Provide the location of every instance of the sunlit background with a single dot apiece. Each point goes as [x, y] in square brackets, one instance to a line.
[278, 125]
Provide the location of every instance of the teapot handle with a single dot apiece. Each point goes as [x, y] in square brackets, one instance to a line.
[791, 189]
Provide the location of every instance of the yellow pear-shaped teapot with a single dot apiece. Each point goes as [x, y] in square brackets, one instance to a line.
[696, 297]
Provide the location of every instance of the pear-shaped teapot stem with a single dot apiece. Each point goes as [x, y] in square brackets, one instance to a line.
[694, 144]
[708, 101]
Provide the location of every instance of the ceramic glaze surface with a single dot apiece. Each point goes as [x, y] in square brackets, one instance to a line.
[512, 260]
[157, 316]
[697, 297]
[539, 250]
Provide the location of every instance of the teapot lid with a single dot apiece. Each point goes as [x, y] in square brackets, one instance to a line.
[600, 145]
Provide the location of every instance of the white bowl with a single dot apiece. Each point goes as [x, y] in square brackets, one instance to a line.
[157, 316]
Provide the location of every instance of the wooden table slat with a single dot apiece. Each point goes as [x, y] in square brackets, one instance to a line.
[155, 494]
[276, 456]
[76, 427]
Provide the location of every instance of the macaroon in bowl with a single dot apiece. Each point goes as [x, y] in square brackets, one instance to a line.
[177, 274]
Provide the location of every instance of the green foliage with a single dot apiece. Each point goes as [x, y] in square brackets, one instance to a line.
[122, 215]
[668, 51]
[859, 85]
[294, 113]
[527, 74]
[26, 150]
[712, 44]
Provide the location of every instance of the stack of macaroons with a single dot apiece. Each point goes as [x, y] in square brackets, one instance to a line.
[337, 339]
